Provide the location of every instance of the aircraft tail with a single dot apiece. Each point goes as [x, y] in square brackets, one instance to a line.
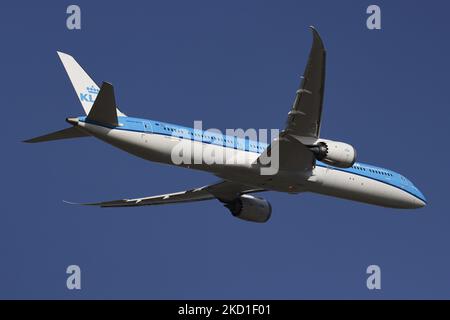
[98, 104]
[103, 111]
[85, 88]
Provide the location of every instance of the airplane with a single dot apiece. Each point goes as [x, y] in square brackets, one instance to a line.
[306, 162]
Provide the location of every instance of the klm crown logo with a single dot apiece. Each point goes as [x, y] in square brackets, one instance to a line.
[92, 90]
[90, 95]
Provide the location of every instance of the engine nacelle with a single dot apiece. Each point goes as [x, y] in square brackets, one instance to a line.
[334, 153]
[250, 208]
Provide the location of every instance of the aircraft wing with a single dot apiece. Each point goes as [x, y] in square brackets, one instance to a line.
[304, 117]
[292, 155]
[224, 191]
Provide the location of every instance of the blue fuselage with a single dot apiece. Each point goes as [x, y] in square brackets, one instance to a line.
[386, 176]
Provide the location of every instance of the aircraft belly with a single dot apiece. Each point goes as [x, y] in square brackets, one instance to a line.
[350, 186]
[174, 150]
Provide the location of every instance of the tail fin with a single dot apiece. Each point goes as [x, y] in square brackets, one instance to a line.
[68, 133]
[85, 88]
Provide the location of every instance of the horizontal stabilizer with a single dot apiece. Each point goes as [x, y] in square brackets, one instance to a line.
[68, 133]
[104, 108]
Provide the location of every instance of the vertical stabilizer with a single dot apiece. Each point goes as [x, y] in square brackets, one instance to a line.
[85, 88]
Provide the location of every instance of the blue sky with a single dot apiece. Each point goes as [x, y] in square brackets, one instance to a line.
[231, 64]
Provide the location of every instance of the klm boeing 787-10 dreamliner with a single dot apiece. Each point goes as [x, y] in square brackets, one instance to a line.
[304, 161]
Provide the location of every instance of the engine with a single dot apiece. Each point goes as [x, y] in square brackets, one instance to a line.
[334, 153]
[250, 208]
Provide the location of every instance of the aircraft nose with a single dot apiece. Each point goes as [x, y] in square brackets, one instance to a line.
[419, 203]
[420, 200]
[412, 198]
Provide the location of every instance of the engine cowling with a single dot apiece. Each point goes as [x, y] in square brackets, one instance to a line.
[335, 153]
[250, 208]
